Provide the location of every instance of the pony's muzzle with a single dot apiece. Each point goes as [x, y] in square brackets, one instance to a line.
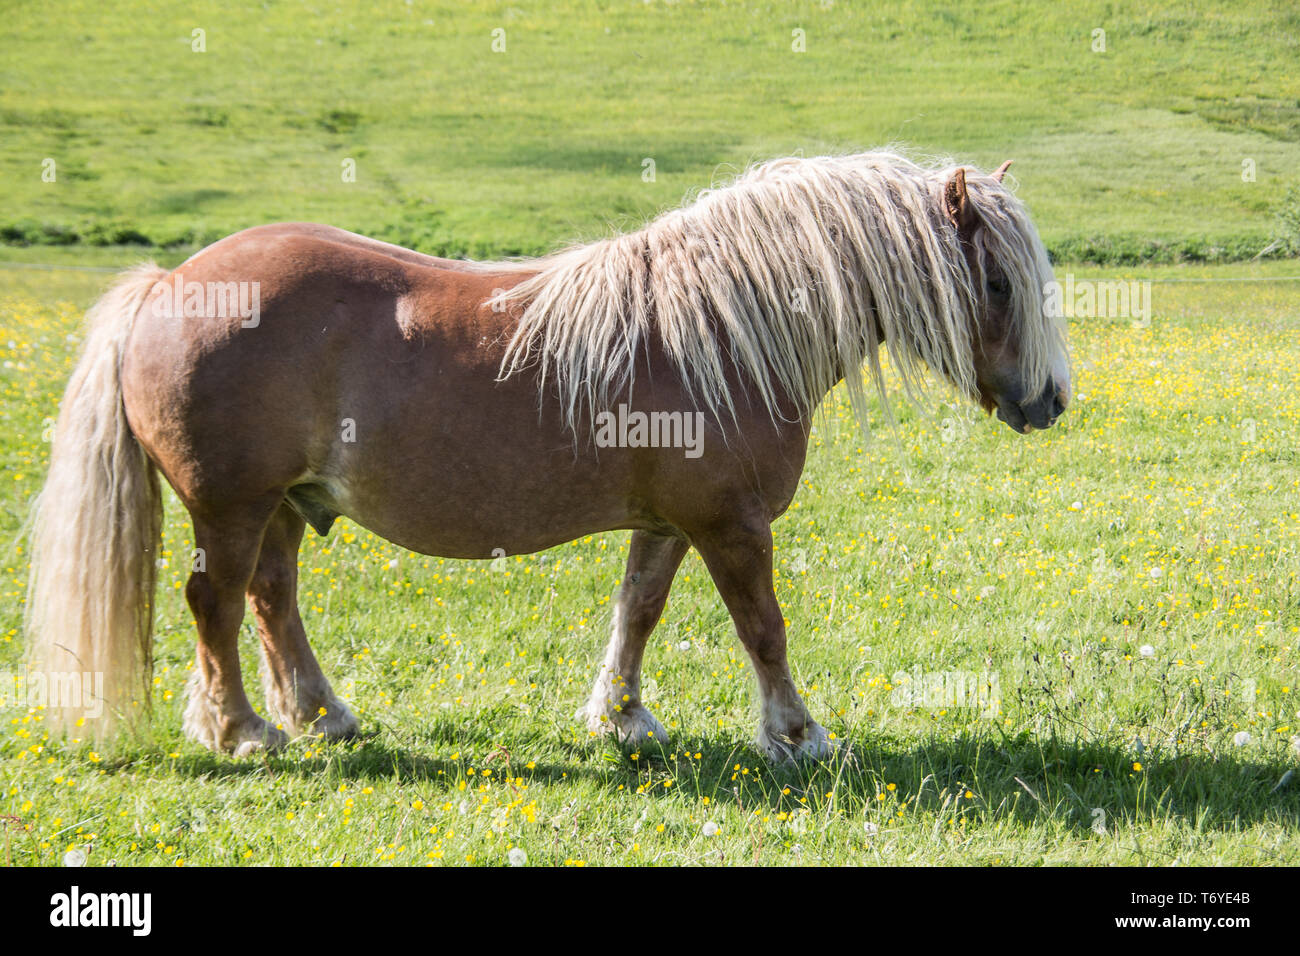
[1040, 413]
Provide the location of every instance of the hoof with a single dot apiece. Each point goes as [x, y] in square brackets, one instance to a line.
[254, 740]
[337, 723]
[633, 726]
[809, 742]
[242, 734]
[308, 710]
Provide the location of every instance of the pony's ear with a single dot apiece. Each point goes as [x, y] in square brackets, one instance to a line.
[957, 204]
[1002, 170]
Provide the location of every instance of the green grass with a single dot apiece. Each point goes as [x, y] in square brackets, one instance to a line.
[948, 545]
[1131, 154]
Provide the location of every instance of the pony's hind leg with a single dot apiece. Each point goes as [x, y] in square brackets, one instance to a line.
[615, 705]
[297, 693]
[218, 714]
[739, 559]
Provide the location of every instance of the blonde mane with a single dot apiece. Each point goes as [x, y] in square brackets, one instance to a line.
[795, 274]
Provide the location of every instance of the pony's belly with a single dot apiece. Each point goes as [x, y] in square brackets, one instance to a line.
[478, 526]
[471, 505]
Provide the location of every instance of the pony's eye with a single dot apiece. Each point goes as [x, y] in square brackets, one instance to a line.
[998, 285]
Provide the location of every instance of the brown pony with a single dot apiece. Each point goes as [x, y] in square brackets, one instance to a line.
[662, 381]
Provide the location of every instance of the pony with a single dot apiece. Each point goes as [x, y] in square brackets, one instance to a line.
[292, 373]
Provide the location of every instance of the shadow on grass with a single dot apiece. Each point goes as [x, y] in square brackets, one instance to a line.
[989, 779]
[977, 778]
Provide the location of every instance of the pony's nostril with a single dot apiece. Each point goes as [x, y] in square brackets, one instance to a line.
[1055, 397]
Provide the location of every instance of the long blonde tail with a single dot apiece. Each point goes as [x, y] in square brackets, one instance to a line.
[95, 538]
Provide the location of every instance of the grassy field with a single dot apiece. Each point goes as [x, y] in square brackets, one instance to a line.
[1160, 514]
[1121, 589]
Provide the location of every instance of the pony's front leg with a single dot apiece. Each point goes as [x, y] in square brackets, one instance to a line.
[615, 705]
[739, 559]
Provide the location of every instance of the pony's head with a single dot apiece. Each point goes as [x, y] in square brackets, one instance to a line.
[1020, 363]
[797, 275]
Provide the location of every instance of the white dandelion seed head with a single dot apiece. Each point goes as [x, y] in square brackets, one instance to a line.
[1157, 572]
[709, 829]
[74, 858]
[684, 646]
[1241, 738]
[517, 856]
[1146, 650]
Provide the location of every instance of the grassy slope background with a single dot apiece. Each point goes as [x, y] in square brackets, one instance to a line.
[1161, 514]
[461, 150]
